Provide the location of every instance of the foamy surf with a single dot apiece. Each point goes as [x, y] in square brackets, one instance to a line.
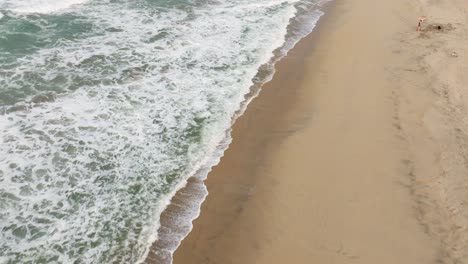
[39, 6]
[111, 107]
[188, 203]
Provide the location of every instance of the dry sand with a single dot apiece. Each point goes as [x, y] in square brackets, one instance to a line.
[433, 111]
[356, 152]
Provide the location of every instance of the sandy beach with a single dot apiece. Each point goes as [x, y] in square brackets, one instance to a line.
[356, 151]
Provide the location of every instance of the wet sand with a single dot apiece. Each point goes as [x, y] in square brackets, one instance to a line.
[354, 152]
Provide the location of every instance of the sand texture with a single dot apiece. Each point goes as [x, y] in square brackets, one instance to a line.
[356, 151]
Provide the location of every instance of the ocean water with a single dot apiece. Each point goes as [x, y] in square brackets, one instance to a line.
[107, 107]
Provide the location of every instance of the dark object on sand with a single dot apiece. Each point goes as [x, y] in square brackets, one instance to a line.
[439, 27]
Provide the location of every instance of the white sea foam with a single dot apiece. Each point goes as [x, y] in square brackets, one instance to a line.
[39, 6]
[154, 91]
[192, 198]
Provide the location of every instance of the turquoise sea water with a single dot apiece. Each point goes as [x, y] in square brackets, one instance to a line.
[108, 106]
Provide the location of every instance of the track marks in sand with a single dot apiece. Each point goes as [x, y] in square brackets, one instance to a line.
[431, 105]
[341, 251]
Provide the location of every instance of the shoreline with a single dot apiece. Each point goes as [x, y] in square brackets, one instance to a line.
[185, 203]
[354, 152]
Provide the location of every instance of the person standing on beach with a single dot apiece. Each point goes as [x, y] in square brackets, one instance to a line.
[421, 20]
